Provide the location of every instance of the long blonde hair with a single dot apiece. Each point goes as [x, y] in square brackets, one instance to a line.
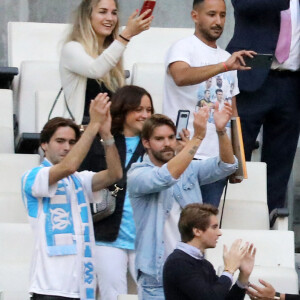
[84, 33]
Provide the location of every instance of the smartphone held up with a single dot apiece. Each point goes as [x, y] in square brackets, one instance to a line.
[148, 4]
[259, 61]
[182, 122]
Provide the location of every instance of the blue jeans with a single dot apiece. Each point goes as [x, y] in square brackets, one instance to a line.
[212, 192]
[149, 288]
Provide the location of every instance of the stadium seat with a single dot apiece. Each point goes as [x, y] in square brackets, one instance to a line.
[6, 122]
[34, 41]
[12, 168]
[16, 245]
[150, 76]
[35, 76]
[246, 202]
[275, 257]
[43, 104]
[151, 46]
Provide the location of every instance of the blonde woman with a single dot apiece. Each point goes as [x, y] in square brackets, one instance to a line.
[91, 60]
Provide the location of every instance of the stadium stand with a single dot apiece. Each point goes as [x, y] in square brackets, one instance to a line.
[12, 168]
[16, 244]
[246, 203]
[39, 64]
[6, 122]
[34, 48]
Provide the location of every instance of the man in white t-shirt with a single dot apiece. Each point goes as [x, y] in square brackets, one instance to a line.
[196, 64]
[57, 201]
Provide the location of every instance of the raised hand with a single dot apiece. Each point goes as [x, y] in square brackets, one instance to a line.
[185, 137]
[236, 60]
[247, 264]
[223, 116]
[136, 24]
[234, 256]
[248, 260]
[100, 111]
[200, 122]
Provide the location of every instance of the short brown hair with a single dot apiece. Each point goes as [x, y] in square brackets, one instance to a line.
[126, 99]
[155, 121]
[52, 125]
[195, 215]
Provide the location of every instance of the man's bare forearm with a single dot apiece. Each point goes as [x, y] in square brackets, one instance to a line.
[114, 171]
[178, 164]
[225, 147]
[184, 75]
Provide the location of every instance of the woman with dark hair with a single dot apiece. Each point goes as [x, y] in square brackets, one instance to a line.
[115, 235]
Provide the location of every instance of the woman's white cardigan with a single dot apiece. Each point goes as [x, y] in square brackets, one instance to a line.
[76, 66]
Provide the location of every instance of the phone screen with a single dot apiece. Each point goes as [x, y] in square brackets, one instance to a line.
[148, 4]
[182, 122]
[259, 61]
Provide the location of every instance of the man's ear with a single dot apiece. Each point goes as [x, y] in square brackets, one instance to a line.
[146, 144]
[44, 146]
[194, 15]
[197, 232]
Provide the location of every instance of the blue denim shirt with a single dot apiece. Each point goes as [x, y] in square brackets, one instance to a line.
[152, 191]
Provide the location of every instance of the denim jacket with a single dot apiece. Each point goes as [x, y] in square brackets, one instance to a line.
[152, 191]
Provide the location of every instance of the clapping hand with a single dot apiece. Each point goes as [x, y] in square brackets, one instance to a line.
[200, 122]
[223, 116]
[100, 113]
[234, 256]
[247, 264]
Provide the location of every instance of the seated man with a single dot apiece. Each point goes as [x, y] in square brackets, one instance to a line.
[187, 275]
[57, 201]
[268, 292]
[163, 184]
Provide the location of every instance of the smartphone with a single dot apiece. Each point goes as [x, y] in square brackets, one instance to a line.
[148, 4]
[182, 122]
[259, 61]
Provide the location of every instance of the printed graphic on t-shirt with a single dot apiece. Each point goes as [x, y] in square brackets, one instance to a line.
[218, 88]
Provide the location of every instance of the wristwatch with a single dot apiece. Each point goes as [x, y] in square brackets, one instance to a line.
[277, 296]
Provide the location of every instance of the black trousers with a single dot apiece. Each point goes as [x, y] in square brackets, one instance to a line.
[49, 297]
[276, 106]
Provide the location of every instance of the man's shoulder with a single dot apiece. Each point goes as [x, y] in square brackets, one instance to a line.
[184, 42]
[179, 260]
[146, 163]
[32, 172]
[178, 254]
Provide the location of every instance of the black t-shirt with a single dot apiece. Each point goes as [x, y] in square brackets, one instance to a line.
[93, 88]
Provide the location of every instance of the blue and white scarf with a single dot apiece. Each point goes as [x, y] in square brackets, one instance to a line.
[59, 229]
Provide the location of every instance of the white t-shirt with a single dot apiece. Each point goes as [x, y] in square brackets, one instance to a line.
[197, 54]
[171, 232]
[55, 275]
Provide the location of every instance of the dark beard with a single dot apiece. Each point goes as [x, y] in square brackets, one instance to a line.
[158, 155]
[210, 37]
